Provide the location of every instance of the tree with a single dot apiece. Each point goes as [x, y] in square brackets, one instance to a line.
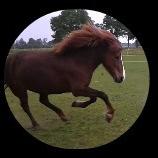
[50, 44]
[38, 43]
[31, 43]
[68, 21]
[112, 25]
[129, 35]
[44, 43]
[20, 44]
[116, 28]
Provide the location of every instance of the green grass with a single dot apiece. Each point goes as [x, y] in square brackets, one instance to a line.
[133, 51]
[87, 127]
[138, 57]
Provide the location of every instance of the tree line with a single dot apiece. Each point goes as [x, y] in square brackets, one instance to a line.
[32, 43]
[70, 20]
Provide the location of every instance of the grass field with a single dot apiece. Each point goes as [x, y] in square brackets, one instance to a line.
[87, 128]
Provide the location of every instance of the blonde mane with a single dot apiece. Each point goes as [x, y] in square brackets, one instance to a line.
[87, 36]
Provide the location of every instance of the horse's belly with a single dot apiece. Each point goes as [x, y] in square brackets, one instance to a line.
[49, 86]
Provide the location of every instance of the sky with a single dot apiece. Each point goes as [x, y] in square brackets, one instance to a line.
[40, 28]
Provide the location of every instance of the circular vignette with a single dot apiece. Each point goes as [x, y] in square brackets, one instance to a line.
[90, 136]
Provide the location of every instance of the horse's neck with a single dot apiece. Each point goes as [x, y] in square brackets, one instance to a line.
[86, 60]
[91, 60]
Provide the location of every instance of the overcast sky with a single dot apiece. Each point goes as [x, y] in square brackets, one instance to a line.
[41, 27]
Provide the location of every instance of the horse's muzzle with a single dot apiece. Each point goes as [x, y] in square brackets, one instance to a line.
[119, 80]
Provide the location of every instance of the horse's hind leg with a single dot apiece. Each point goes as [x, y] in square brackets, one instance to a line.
[84, 104]
[23, 97]
[24, 104]
[44, 100]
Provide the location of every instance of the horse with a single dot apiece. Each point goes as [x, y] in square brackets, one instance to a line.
[67, 67]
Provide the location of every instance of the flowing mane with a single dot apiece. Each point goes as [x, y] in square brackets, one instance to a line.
[87, 36]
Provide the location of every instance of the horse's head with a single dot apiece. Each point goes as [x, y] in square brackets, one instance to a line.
[112, 61]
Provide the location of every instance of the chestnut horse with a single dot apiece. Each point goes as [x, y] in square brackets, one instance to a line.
[67, 67]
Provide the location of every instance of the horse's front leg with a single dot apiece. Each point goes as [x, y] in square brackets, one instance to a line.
[92, 93]
[84, 104]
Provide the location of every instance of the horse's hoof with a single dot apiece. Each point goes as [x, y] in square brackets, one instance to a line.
[109, 117]
[34, 128]
[64, 119]
[67, 122]
[74, 104]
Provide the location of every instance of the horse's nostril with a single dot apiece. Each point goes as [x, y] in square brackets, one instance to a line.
[119, 80]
